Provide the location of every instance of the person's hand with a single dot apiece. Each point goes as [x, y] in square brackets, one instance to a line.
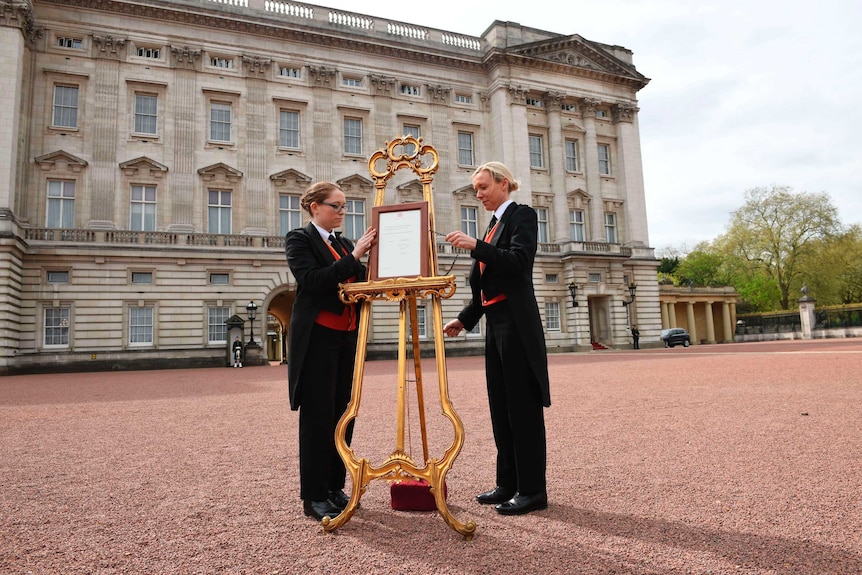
[363, 244]
[461, 240]
[453, 328]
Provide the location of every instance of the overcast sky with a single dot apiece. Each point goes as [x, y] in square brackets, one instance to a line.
[743, 94]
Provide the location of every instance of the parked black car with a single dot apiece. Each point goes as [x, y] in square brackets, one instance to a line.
[675, 336]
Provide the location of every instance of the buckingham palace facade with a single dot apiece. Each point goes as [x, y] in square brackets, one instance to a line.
[154, 152]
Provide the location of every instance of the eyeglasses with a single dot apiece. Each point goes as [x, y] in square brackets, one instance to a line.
[337, 207]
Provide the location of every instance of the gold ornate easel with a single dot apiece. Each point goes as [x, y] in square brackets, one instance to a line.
[400, 465]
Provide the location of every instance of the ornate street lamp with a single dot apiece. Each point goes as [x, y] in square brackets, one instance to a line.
[251, 308]
[573, 291]
[632, 289]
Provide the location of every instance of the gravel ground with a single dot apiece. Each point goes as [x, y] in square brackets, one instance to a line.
[723, 459]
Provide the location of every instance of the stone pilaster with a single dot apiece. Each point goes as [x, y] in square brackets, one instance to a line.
[628, 170]
[591, 171]
[557, 166]
[103, 208]
[183, 182]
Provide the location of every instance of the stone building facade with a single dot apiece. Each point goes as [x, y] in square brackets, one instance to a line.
[153, 155]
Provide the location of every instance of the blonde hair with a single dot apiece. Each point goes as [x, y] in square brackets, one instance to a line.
[499, 171]
[317, 193]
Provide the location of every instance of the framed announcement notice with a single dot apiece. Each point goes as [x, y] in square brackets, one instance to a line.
[402, 241]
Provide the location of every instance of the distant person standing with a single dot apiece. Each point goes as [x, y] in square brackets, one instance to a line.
[636, 336]
[516, 361]
[236, 348]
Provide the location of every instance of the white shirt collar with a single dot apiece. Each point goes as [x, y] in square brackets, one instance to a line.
[498, 213]
[323, 233]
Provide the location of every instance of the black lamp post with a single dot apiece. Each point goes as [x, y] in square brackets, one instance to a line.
[573, 291]
[251, 308]
[632, 289]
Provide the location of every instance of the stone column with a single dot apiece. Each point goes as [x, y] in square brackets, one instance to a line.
[103, 208]
[326, 124]
[557, 166]
[671, 313]
[256, 181]
[725, 318]
[664, 316]
[629, 172]
[689, 318]
[596, 231]
[182, 179]
[710, 324]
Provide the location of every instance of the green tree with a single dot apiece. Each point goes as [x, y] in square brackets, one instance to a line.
[833, 271]
[773, 233]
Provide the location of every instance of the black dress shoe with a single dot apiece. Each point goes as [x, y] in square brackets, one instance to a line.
[320, 509]
[496, 495]
[339, 499]
[520, 504]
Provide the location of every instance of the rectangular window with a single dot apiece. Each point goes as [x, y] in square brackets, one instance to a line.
[463, 99]
[611, 228]
[65, 107]
[571, 155]
[142, 277]
[141, 325]
[568, 107]
[289, 213]
[552, 316]
[536, 153]
[58, 277]
[217, 329]
[64, 42]
[576, 225]
[288, 129]
[60, 211]
[552, 279]
[143, 209]
[534, 102]
[218, 279]
[151, 53]
[352, 136]
[288, 72]
[226, 63]
[353, 224]
[218, 211]
[410, 130]
[469, 221]
[220, 120]
[544, 235]
[352, 82]
[146, 113]
[601, 113]
[604, 159]
[465, 149]
[421, 321]
[594, 278]
[410, 90]
[57, 322]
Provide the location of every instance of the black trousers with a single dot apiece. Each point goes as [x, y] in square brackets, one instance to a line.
[517, 416]
[327, 380]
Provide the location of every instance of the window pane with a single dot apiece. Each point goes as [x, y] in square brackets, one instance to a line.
[56, 331]
[288, 134]
[542, 214]
[536, 160]
[146, 113]
[352, 136]
[141, 325]
[469, 222]
[289, 213]
[65, 106]
[604, 159]
[217, 328]
[465, 148]
[576, 225]
[572, 155]
[552, 316]
[60, 208]
[220, 119]
[354, 219]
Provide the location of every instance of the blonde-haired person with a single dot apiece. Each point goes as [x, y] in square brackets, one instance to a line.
[322, 343]
[516, 361]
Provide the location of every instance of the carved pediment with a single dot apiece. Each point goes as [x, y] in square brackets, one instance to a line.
[464, 192]
[411, 191]
[290, 177]
[578, 199]
[577, 52]
[220, 172]
[356, 185]
[144, 167]
[60, 161]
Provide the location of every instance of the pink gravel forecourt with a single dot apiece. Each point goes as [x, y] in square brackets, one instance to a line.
[718, 459]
